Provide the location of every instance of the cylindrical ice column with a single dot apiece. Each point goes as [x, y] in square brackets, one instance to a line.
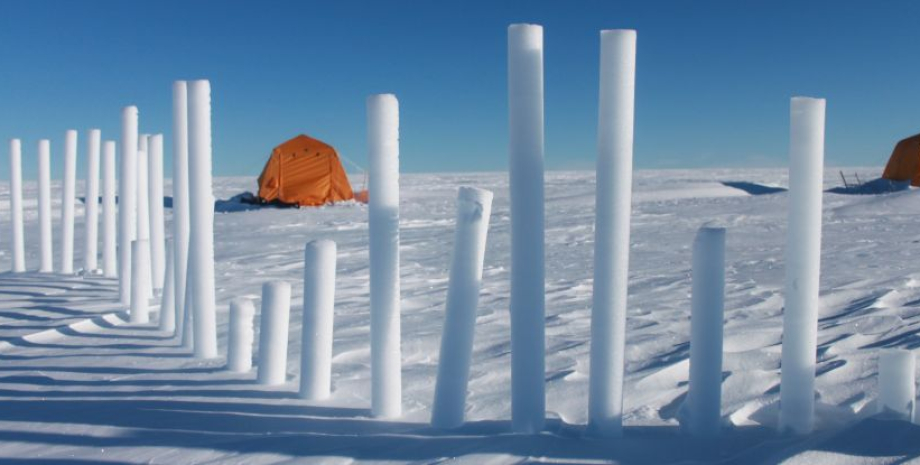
[140, 302]
[180, 205]
[239, 345]
[44, 204]
[273, 332]
[474, 208]
[611, 231]
[186, 336]
[383, 227]
[143, 205]
[896, 385]
[19, 254]
[67, 201]
[109, 257]
[318, 303]
[803, 265]
[701, 412]
[127, 200]
[155, 198]
[91, 218]
[201, 240]
[525, 105]
[168, 300]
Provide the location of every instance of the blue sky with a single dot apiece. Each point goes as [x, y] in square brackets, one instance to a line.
[713, 78]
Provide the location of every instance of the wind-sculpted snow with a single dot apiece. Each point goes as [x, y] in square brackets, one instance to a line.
[78, 384]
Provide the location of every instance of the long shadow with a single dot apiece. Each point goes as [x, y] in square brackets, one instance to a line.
[307, 431]
[25, 327]
[50, 461]
[40, 380]
[677, 353]
[25, 317]
[109, 325]
[30, 294]
[44, 300]
[754, 188]
[154, 393]
[53, 287]
[907, 340]
[876, 438]
[177, 354]
[61, 310]
[149, 337]
[126, 346]
[109, 370]
[854, 307]
[37, 279]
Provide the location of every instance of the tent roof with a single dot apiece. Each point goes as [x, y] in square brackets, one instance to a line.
[306, 172]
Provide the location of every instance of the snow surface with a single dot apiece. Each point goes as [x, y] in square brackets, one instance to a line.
[78, 385]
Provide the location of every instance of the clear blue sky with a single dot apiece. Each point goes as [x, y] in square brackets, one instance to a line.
[713, 82]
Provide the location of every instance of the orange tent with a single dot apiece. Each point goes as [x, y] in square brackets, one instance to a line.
[904, 164]
[305, 172]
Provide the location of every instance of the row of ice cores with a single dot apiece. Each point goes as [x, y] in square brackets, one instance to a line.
[184, 269]
[142, 261]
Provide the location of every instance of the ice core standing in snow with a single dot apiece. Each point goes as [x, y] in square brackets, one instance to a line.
[803, 265]
[180, 205]
[91, 216]
[317, 325]
[701, 412]
[143, 202]
[273, 332]
[896, 383]
[241, 334]
[611, 231]
[168, 299]
[68, 194]
[383, 229]
[44, 204]
[155, 198]
[109, 258]
[474, 208]
[127, 200]
[525, 106]
[19, 254]
[140, 282]
[201, 213]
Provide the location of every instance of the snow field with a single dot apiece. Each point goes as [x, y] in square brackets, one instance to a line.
[92, 388]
